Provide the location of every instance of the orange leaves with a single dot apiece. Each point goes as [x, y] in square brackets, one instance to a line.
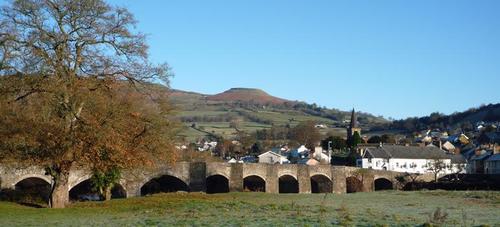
[117, 126]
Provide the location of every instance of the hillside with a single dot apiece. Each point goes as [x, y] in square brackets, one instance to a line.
[254, 109]
[250, 95]
[465, 119]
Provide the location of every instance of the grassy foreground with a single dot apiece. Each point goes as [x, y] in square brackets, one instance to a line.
[256, 209]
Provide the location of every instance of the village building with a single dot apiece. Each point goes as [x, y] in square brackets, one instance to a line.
[492, 164]
[459, 139]
[407, 159]
[322, 156]
[271, 157]
[477, 162]
[447, 146]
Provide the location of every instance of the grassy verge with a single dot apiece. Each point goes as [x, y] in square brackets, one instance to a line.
[259, 209]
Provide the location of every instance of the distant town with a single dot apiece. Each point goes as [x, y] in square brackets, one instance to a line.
[472, 151]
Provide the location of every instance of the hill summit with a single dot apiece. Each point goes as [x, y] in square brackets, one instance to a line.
[247, 95]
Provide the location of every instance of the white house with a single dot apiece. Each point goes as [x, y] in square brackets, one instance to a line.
[321, 155]
[233, 161]
[302, 149]
[273, 158]
[407, 159]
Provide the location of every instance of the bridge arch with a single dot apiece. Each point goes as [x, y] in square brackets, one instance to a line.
[32, 191]
[383, 184]
[165, 183]
[321, 183]
[254, 183]
[217, 184]
[353, 185]
[45, 178]
[84, 191]
[288, 184]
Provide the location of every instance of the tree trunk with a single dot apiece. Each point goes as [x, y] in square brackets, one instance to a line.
[60, 194]
[107, 194]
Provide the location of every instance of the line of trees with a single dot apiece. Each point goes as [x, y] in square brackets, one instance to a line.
[439, 120]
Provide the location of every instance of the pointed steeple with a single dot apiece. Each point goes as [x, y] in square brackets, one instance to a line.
[354, 119]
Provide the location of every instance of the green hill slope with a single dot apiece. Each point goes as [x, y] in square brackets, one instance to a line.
[253, 109]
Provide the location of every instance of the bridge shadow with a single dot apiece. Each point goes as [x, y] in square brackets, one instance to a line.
[32, 192]
[383, 184]
[288, 184]
[84, 191]
[217, 184]
[353, 185]
[254, 184]
[321, 184]
[164, 184]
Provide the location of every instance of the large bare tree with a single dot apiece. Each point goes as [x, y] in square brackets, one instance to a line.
[74, 89]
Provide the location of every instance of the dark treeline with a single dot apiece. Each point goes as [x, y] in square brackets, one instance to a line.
[465, 120]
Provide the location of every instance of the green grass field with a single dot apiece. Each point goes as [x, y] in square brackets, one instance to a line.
[390, 208]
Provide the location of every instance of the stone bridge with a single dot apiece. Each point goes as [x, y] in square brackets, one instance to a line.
[214, 178]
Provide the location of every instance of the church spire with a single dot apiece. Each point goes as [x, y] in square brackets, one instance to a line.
[354, 119]
[353, 127]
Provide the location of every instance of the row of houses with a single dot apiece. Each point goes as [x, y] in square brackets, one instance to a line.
[283, 155]
[405, 159]
[485, 162]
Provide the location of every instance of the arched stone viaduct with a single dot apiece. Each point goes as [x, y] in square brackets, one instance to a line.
[223, 177]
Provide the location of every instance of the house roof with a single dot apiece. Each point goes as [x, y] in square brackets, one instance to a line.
[377, 152]
[482, 156]
[457, 158]
[495, 157]
[272, 153]
[406, 152]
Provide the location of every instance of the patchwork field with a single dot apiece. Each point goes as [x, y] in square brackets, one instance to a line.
[387, 208]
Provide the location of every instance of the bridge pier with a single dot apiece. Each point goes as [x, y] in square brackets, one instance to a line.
[236, 178]
[304, 179]
[338, 179]
[272, 179]
[197, 178]
[368, 183]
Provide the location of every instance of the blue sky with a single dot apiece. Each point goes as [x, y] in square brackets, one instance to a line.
[390, 58]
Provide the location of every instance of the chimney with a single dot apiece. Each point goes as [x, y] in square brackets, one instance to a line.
[496, 150]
